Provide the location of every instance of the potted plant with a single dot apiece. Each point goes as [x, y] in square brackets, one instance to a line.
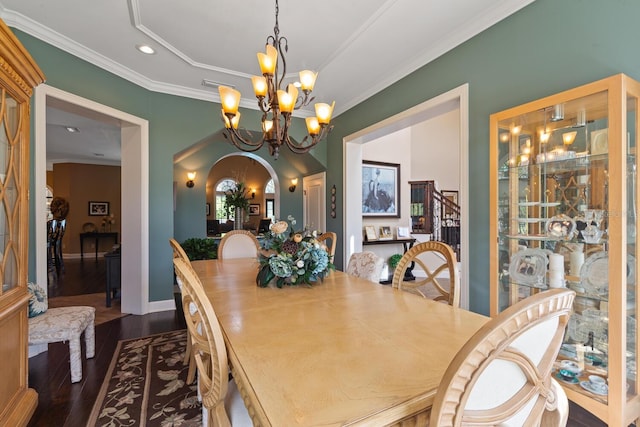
[238, 199]
[200, 248]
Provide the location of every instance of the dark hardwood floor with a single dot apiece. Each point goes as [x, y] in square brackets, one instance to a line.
[62, 404]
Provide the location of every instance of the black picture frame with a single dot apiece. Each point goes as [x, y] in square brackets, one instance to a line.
[98, 208]
[208, 209]
[380, 189]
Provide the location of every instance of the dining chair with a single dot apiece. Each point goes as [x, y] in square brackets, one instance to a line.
[238, 244]
[220, 396]
[179, 253]
[434, 258]
[366, 265]
[502, 375]
[332, 238]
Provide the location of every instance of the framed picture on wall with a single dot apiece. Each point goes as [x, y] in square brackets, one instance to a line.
[380, 189]
[254, 210]
[98, 208]
[208, 209]
[452, 196]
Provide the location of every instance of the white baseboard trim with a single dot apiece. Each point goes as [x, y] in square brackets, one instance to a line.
[165, 305]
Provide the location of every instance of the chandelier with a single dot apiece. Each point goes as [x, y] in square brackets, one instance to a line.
[276, 104]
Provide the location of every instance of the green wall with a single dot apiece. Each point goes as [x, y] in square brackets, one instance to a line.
[547, 47]
[175, 123]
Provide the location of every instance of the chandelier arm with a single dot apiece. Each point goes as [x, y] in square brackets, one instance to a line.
[301, 102]
[236, 138]
[281, 42]
[301, 148]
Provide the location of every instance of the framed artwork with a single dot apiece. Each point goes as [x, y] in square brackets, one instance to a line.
[254, 210]
[208, 209]
[370, 233]
[380, 189]
[98, 208]
[403, 233]
[385, 233]
[453, 197]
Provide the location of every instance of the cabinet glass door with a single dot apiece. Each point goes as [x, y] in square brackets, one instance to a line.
[10, 140]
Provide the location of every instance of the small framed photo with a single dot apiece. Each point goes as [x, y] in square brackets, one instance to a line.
[208, 209]
[403, 233]
[385, 233]
[451, 196]
[380, 189]
[254, 210]
[98, 208]
[370, 233]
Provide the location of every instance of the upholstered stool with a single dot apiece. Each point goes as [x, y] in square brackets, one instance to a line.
[66, 324]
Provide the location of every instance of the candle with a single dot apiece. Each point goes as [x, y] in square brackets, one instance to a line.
[556, 262]
[575, 263]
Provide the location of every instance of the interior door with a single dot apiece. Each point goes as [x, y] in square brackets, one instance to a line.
[314, 201]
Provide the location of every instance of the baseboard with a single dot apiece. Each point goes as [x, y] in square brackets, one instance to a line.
[165, 305]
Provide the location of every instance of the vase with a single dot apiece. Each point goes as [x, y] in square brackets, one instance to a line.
[239, 219]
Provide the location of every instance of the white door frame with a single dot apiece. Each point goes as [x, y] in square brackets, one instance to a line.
[352, 177]
[322, 176]
[134, 191]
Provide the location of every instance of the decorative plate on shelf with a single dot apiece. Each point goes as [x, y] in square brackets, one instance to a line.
[599, 141]
[587, 386]
[561, 226]
[594, 273]
[529, 267]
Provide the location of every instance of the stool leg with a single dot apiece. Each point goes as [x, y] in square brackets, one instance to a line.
[75, 361]
[90, 339]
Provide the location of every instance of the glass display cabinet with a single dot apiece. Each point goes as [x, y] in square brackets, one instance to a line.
[18, 76]
[564, 213]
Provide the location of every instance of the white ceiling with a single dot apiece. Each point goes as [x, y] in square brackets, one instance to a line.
[359, 47]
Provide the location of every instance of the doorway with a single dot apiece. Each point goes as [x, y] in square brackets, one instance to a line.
[457, 98]
[134, 135]
[314, 199]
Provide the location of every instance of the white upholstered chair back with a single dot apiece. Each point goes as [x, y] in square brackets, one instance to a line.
[502, 375]
[366, 265]
[210, 353]
[433, 286]
[238, 244]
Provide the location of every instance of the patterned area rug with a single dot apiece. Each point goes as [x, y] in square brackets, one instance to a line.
[146, 385]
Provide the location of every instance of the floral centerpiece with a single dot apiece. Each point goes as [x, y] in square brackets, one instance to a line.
[292, 257]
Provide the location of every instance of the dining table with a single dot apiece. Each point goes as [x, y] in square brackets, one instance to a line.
[339, 352]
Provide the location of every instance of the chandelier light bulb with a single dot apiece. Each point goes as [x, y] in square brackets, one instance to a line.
[230, 99]
[268, 60]
[259, 85]
[313, 127]
[324, 112]
[307, 80]
[234, 121]
[267, 125]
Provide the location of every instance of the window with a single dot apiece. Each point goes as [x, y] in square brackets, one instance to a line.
[269, 191]
[224, 185]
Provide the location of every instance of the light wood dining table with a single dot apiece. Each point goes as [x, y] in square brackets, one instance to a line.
[343, 352]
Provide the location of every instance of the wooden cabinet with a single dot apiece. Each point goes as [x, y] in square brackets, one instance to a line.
[563, 196]
[18, 76]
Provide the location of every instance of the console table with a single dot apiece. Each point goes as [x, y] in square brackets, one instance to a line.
[406, 245]
[96, 236]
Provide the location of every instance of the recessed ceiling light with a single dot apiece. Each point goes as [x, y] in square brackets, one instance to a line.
[145, 49]
[72, 129]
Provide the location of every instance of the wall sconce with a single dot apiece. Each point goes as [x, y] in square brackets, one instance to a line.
[253, 193]
[569, 137]
[190, 177]
[294, 182]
